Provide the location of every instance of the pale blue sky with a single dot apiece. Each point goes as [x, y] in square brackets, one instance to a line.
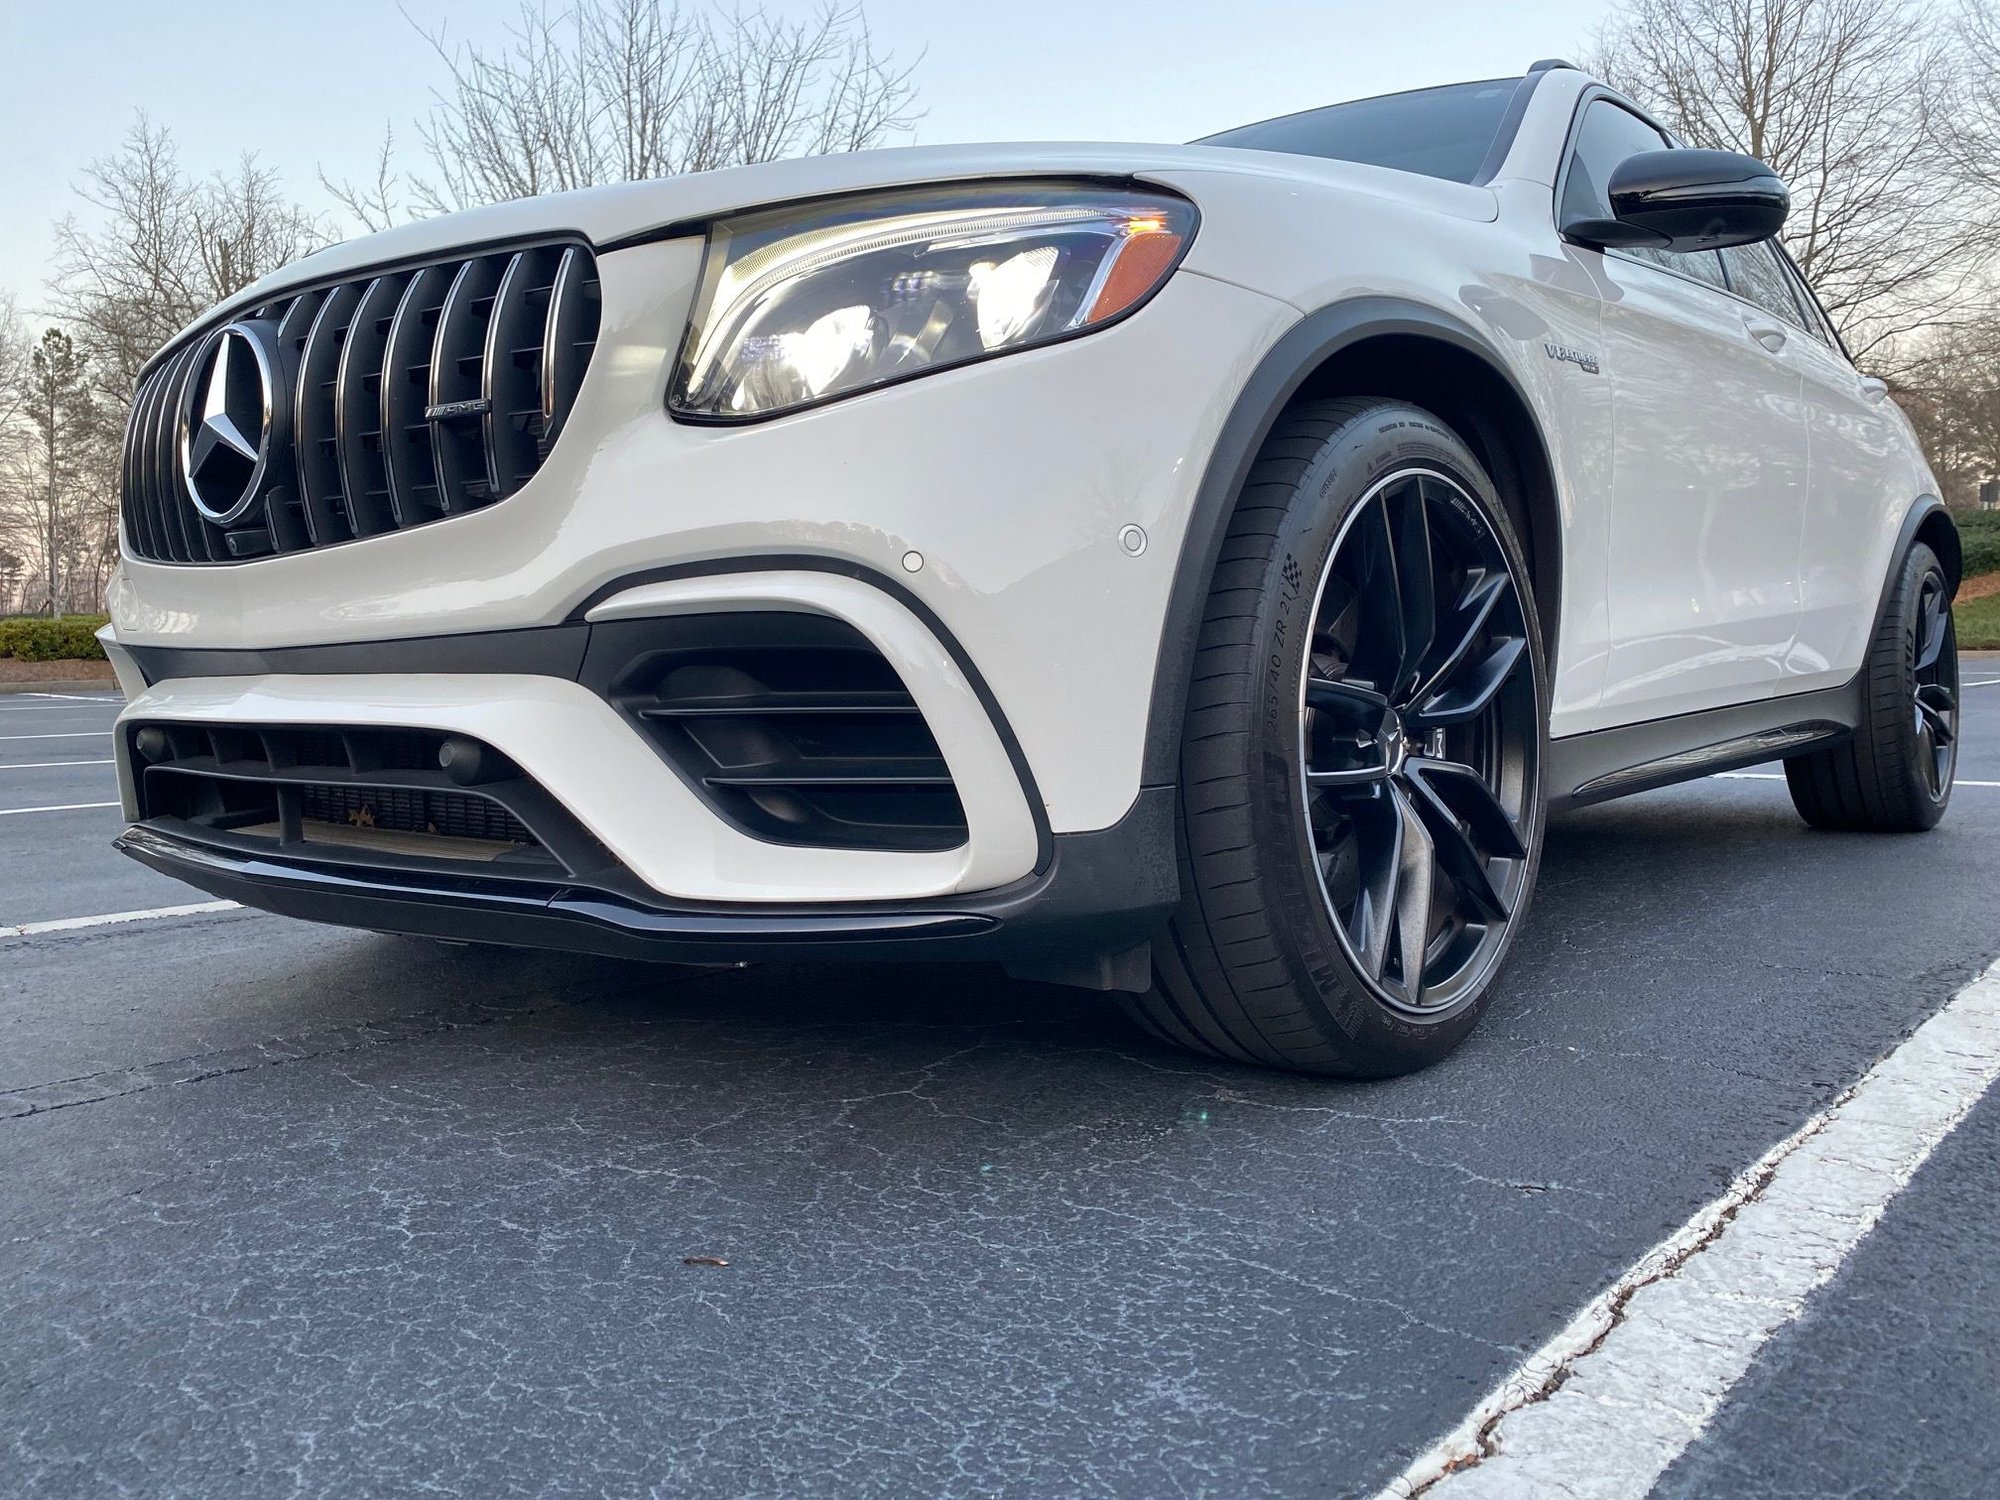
[312, 82]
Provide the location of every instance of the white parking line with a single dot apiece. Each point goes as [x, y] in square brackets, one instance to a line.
[112, 919]
[15, 812]
[1780, 776]
[43, 765]
[1602, 1409]
[68, 734]
[76, 697]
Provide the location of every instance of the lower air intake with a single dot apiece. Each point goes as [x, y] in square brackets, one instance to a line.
[792, 726]
[358, 793]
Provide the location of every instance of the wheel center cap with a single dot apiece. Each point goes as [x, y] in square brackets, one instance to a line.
[1396, 744]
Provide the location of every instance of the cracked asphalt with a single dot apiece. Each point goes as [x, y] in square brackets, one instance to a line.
[289, 1210]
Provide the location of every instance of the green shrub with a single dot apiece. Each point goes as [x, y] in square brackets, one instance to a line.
[38, 638]
[1979, 530]
[1978, 624]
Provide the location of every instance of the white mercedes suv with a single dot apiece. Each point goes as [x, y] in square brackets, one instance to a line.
[1189, 572]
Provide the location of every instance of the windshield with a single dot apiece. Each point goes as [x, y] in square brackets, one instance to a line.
[1442, 132]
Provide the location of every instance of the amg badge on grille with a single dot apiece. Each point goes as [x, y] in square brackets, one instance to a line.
[444, 411]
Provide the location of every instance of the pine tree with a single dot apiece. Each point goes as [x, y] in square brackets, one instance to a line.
[57, 402]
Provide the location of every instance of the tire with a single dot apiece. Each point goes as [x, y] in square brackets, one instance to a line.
[1894, 774]
[1319, 827]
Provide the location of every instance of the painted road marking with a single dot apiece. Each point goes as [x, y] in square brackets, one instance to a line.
[15, 812]
[68, 734]
[75, 697]
[43, 765]
[1780, 776]
[1602, 1409]
[117, 918]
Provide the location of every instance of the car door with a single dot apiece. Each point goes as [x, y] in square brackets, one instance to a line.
[1855, 449]
[1709, 462]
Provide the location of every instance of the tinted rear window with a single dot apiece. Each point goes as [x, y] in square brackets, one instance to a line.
[1443, 132]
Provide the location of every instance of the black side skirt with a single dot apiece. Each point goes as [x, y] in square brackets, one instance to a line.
[1586, 768]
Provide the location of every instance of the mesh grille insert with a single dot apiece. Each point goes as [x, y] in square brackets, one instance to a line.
[450, 814]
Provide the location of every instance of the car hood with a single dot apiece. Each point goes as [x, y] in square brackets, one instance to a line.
[624, 211]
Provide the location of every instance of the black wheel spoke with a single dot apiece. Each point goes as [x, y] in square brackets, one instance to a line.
[1462, 864]
[1416, 577]
[1465, 792]
[1378, 825]
[1938, 697]
[1348, 777]
[1348, 700]
[1934, 723]
[1416, 882]
[1382, 643]
[1483, 593]
[1473, 689]
[1933, 621]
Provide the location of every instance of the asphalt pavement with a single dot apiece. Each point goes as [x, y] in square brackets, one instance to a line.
[291, 1210]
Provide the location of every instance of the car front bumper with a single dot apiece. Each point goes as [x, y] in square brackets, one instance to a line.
[1005, 535]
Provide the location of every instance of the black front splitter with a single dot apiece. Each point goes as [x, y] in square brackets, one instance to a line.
[1103, 892]
[535, 914]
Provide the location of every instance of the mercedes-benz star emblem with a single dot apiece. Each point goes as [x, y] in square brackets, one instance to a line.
[226, 424]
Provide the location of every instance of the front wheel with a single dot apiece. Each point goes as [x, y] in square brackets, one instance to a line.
[1361, 804]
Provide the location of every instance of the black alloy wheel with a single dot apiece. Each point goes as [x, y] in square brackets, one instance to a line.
[1934, 644]
[1419, 742]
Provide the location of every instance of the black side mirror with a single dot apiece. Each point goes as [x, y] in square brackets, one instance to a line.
[1688, 200]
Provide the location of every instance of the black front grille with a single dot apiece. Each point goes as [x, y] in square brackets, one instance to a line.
[793, 726]
[423, 392]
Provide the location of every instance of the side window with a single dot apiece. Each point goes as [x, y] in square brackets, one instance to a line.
[1757, 275]
[1606, 137]
[1817, 322]
[1702, 265]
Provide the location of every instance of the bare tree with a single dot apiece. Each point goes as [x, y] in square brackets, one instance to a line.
[162, 248]
[623, 90]
[14, 354]
[1847, 100]
[158, 248]
[1974, 125]
[16, 476]
[1953, 397]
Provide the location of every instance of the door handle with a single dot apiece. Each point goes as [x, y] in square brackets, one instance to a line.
[1873, 391]
[1770, 335]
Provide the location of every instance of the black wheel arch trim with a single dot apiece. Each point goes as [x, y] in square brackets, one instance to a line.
[1927, 521]
[1284, 371]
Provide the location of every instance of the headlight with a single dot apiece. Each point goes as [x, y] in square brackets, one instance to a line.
[798, 307]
